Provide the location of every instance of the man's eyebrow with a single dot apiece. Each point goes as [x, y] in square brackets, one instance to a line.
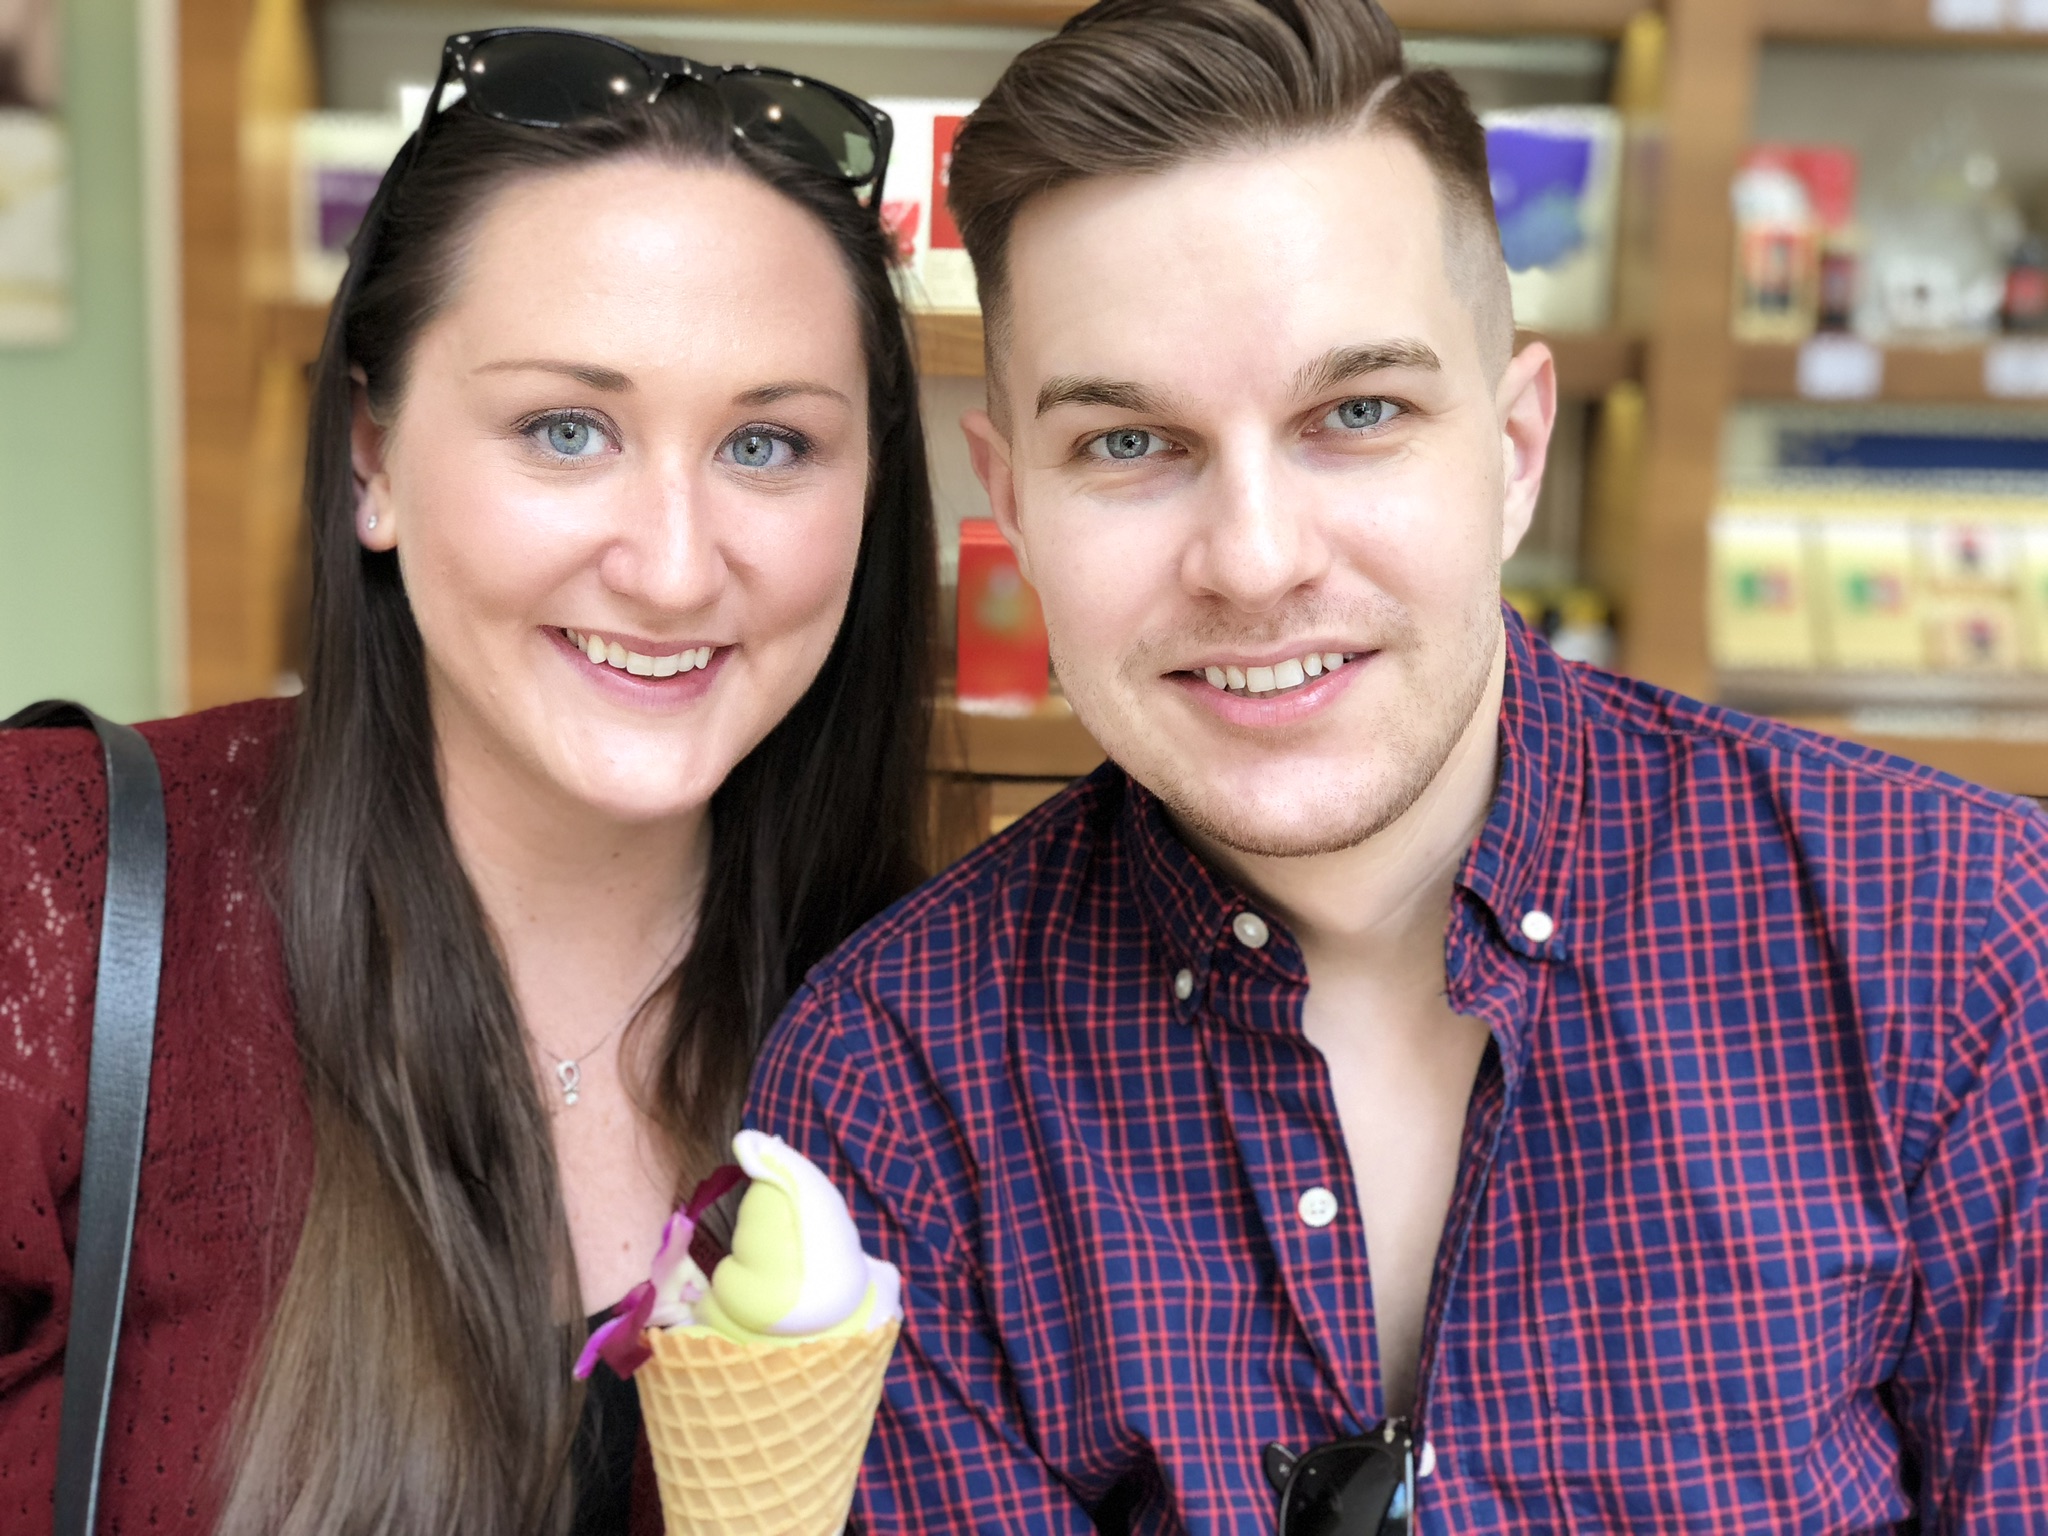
[1070, 389]
[609, 380]
[768, 394]
[1342, 363]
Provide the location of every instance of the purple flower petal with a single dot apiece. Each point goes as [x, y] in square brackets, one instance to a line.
[619, 1343]
[714, 1189]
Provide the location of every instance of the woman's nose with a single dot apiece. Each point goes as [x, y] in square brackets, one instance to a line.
[664, 552]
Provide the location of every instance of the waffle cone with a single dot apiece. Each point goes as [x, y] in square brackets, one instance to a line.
[759, 1441]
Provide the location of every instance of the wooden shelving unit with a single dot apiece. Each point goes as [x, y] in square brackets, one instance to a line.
[1913, 375]
[1898, 23]
[240, 348]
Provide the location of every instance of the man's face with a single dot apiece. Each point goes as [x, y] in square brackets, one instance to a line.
[1254, 439]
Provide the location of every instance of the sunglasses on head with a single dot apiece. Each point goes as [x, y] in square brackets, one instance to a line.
[1363, 1486]
[545, 77]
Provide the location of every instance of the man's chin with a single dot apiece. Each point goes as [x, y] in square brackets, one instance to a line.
[1274, 833]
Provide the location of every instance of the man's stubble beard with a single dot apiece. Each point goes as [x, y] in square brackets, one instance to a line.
[1414, 750]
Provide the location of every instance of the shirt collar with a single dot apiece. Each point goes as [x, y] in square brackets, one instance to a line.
[1518, 865]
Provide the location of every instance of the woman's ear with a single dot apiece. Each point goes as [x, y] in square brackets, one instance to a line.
[376, 515]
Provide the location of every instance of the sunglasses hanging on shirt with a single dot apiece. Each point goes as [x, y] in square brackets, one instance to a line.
[1364, 1486]
[545, 77]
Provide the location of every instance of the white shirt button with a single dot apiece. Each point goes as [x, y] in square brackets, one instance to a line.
[1537, 927]
[1317, 1207]
[1425, 1464]
[1184, 985]
[1251, 930]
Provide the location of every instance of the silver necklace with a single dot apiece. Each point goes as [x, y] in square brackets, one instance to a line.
[569, 1069]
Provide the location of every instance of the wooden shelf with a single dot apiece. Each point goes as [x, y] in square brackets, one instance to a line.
[1591, 363]
[1596, 17]
[1047, 745]
[1915, 375]
[1900, 23]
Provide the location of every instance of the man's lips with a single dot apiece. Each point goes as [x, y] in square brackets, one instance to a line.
[1278, 677]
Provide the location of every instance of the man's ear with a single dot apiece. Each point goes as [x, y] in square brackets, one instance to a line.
[990, 452]
[376, 512]
[1527, 403]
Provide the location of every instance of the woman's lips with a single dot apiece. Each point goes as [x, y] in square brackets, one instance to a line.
[660, 660]
[666, 674]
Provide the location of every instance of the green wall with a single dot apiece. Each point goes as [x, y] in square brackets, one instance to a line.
[78, 606]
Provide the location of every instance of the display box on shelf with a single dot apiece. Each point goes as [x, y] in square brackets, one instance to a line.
[1003, 655]
[338, 159]
[935, 273]
[2031, 593]
[1974, 634]
[1759, 611]
[1556, 189]
[1897, 579]
[1870, 607]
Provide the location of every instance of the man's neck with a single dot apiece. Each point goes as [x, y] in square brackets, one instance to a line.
[1386, 899]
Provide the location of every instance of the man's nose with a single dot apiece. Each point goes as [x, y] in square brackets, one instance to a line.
[1259, 537]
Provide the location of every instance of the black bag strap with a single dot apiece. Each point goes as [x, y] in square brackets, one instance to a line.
[117, 1097]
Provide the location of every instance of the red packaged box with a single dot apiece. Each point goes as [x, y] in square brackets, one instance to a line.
[1004, 659]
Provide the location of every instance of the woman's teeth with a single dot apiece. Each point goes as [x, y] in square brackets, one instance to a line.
[610, 653]
[1280, 678]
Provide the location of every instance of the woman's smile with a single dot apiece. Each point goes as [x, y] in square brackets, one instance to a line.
[644, 673]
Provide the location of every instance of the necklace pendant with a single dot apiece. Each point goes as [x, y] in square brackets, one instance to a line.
[571, 1077]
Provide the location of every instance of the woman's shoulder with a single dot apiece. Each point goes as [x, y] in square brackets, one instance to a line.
[211, 762]
[53, 842]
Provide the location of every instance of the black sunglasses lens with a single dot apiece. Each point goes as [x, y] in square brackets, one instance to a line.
[1347, 1489]
[546, 79]
[781, 112]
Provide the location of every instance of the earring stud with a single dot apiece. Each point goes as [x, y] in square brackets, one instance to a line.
[373, 520]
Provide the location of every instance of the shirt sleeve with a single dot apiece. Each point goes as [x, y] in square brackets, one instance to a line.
[1972, 1385]
[952, 1448]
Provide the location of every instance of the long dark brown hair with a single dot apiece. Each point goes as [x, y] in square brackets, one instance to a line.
[416, 1373]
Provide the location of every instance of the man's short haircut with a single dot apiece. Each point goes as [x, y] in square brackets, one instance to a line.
[1132, 87]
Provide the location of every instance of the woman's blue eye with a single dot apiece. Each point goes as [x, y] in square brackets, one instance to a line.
[756, 448]
[574, 438]
[1127, 443]
[1355, 415]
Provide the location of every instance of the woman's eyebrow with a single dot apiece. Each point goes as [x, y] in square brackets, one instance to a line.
[608, 379]
[768, 394]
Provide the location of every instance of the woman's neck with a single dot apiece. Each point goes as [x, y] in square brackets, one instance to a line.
[588, 911]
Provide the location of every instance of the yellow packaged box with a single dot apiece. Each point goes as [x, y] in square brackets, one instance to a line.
[1759, 611]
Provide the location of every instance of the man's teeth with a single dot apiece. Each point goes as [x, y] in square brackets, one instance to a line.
[610, 653]
[1280, 677]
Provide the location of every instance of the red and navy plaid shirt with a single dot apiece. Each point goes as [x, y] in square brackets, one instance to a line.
[1751, 1224]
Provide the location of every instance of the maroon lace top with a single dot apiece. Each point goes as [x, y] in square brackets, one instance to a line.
[228, 1158]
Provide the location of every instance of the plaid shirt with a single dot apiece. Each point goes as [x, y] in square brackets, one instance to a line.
[1748, 1231]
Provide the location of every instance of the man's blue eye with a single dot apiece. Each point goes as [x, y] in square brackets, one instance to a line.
[1127, 443]
[1355, 415]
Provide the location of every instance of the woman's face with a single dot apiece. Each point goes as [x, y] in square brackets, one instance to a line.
[626, 481]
